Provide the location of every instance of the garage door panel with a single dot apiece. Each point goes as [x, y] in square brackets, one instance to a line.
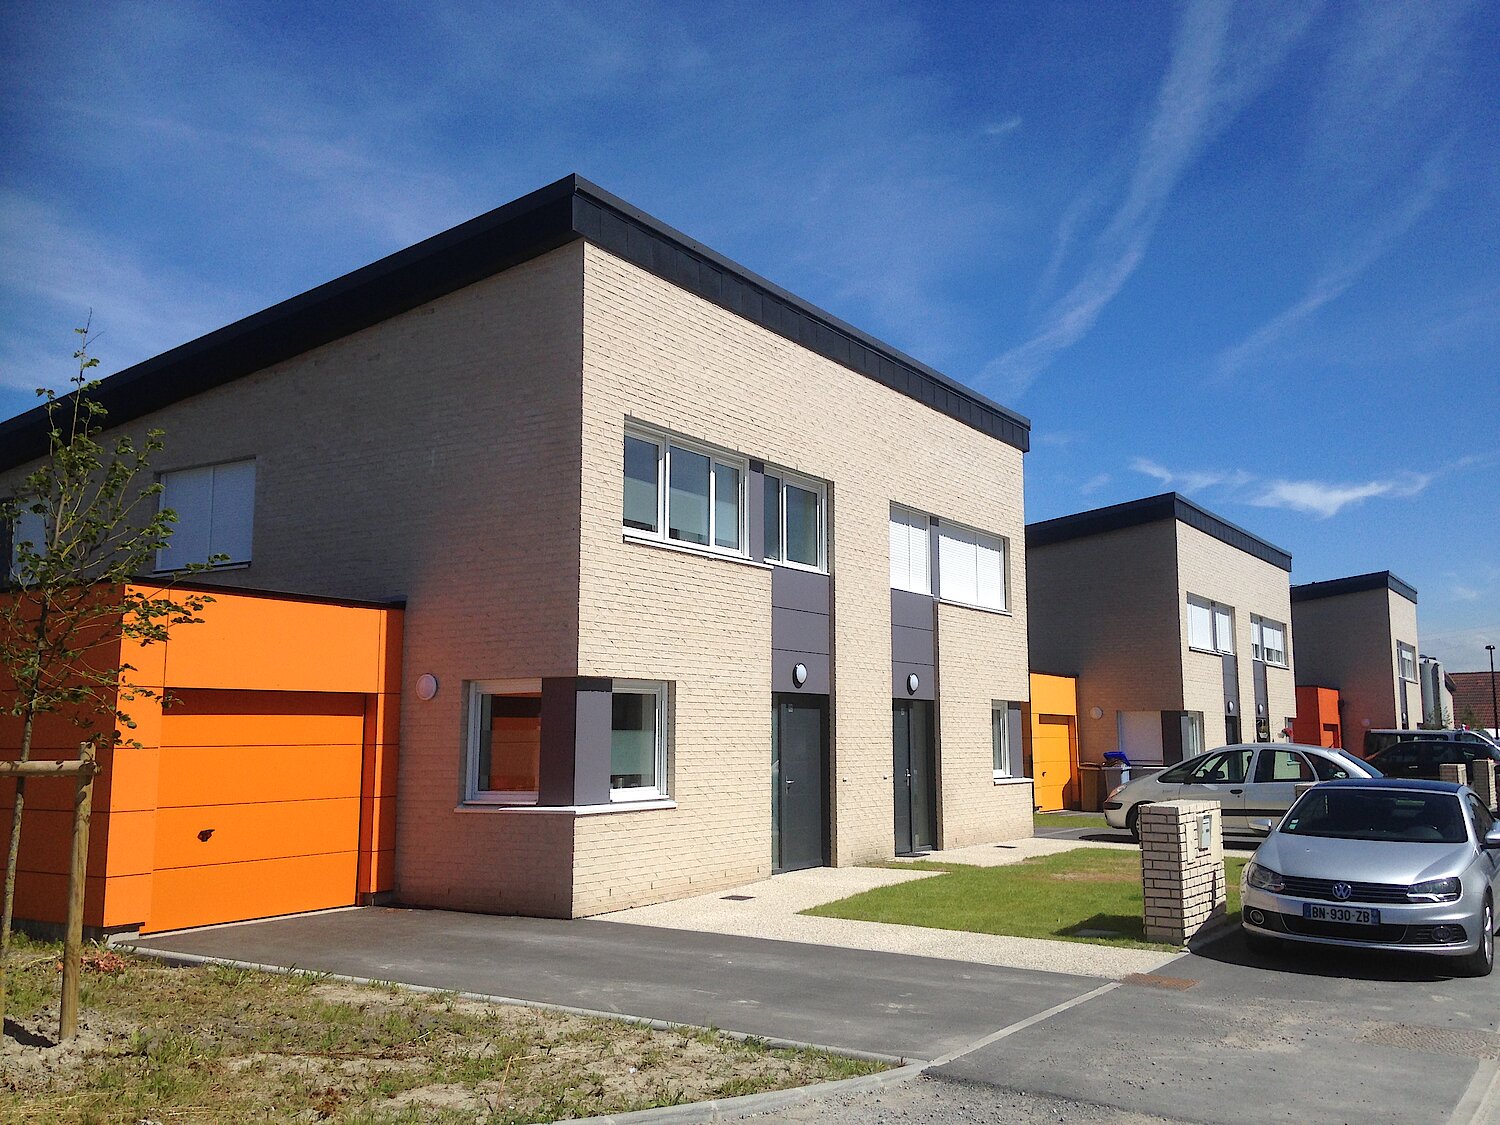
[219, 834]
[200, 717]
[1052, 762]
[232, 775]
[203, 896]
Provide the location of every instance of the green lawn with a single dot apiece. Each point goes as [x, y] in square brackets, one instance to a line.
[1054, 896]
[1067, 820]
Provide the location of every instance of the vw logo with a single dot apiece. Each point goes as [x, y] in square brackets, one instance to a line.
[1342, 891]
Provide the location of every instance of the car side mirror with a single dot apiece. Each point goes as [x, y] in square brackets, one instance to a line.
[1262, 825]
[1492, 839]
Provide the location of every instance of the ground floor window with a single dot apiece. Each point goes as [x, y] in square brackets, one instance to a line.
[1000, 740]
[638, 741]
[505, 741]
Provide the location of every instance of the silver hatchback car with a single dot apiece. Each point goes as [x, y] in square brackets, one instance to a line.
[1250, 780]
[1403, 865]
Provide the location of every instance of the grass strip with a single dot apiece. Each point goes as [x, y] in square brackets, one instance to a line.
[1088, 894]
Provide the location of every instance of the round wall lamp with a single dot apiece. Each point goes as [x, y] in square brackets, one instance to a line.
[799, 674]
[427, 686]
[1230, 707]
[912, 684]
[1096, 712]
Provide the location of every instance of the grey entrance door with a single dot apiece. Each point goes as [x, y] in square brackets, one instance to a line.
[914, 775]
[799, 782]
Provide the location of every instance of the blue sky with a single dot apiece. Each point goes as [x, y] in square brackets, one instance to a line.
[1249, 252]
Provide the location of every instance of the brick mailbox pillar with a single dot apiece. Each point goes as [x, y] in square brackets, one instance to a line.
[1182, 868]
[1456, 772]
[1483, 781]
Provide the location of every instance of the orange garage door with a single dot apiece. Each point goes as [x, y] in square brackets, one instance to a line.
[1053, 774]
[258, 807]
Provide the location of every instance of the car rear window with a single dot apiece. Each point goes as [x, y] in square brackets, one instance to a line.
[1378, 814]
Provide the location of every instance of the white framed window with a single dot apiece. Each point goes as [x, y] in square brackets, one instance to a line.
[971, 567]
[1406, 660]
[215, 507]
[29, 528]
[1268, 640]
[638, 741]
[682, 492]
[910, 551]
[1000, 741]
[504, 752]
[1210, 625]
[796, 520]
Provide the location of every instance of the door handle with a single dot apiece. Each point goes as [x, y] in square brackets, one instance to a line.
[1236, 792]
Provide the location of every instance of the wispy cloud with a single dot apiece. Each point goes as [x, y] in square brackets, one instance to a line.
[1208, 80]
[1327, 498]
[1094, 483]
[1334, 281]
[1191, 480]
[1000, 128]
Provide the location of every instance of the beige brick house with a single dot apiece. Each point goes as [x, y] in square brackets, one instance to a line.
[1358, 635]
[1174, 621]
[700, 582]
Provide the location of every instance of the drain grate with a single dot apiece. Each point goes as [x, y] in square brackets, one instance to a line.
[1434, 1040]
[738, 898]
[1155, 980]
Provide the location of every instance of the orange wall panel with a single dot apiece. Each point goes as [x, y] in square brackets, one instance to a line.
[202, 896]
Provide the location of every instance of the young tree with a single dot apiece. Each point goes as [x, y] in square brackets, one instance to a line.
[83, 525]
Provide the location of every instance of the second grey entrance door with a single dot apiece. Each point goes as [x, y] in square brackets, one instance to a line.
[914, 774]
[799, 780]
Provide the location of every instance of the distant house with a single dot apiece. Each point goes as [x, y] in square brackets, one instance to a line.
[1358, 636]
[1174, 621]
[1473, 695]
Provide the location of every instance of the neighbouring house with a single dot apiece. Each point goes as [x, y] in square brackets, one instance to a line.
[1358, 636]
[700, 582]
[1474, 699]
[1174, 622]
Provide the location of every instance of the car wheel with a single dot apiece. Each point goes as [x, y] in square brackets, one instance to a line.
[1133, 822]
[1482, 960]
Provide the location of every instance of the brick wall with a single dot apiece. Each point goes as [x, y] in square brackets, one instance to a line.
[1348, 642]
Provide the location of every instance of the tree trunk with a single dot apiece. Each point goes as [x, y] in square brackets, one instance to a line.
[11, 857]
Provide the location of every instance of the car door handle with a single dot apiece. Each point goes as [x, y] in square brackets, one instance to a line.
[1236, 792]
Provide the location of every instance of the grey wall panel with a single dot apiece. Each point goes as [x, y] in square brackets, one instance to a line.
[559, 724]
[926, 675]
[1262, 692]
[913, 611]
[1231, 685]
[756, 510]
[799, 589]
[912, 646]
[799, 630]
[592, 725]
[819, 671]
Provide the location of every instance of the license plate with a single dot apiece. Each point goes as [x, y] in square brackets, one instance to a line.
[1353, 915]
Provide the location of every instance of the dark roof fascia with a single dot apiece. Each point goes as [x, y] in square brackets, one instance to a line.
[169, 586]
[1355, 584]
[1152, 509]
[552, 216]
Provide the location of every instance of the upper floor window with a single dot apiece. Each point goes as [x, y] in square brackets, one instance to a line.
[1406, 659]
[684, 493]
[910, 551]
[1210, 625]
[1268, 640]
[971, 567]
[27, 532]
[215, 508]
[796, 520]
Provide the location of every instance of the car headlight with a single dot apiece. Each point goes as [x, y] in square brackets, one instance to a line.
[1264, 879]
[1435, 890]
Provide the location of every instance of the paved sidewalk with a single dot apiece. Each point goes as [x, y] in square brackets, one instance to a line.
[772, 908]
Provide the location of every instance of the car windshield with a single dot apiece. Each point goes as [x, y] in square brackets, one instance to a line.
[1399, 816]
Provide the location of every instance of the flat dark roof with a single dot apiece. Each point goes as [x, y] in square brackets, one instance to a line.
[1151, 509]
[1355, 584]
[562, 212]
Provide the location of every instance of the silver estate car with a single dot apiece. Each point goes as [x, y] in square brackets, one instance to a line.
[1250, 780]
[1381, 863]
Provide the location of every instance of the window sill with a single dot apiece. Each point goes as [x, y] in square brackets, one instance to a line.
[1006, 779]
[1208, 651]
[698, 552]
[976, 608]
[568, 810]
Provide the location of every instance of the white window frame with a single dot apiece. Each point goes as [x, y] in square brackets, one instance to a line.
[661, 790]
[1214, 610]
[473, 689]
[27, 527]
[1406, 655]
[976, 535]
[926, 522]
[665, 442]
[807, 484]
[1258, 647]
[1000, 748]
[162, 503]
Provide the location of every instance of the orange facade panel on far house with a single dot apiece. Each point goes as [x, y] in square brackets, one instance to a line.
[1317, 722]
[265, 785]
[1051, 732]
